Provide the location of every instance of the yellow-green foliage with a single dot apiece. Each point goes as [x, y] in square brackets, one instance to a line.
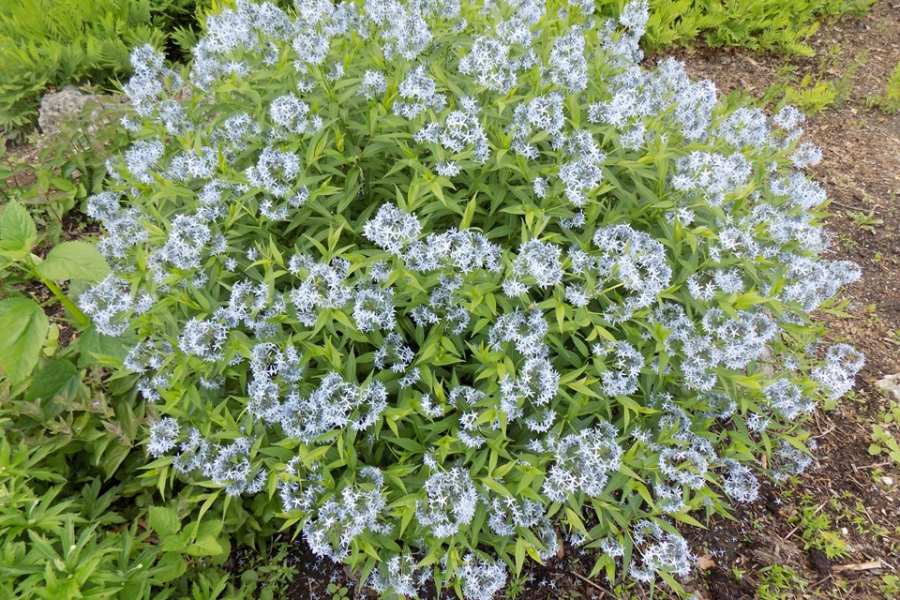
[53, 42]
[811, 97]
[890, 101]
[780, 25]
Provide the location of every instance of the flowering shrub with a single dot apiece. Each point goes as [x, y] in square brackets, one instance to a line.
[444, 282]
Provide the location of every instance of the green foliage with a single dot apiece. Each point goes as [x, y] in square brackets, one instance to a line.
[77, 519]
[61, 535]
[24, 327]
[21, 316]
[80, 511]
[337, 591]
[867, 221]
[778, 582]
[890, 585]
[771, 25]
[889, 101]
[811, 97]
[73, 260]
[54, 42]
[320, 205]
[816, 530]
[886, 434]
[813, 92]
[65, 464]
[270, 576]
[58, 174]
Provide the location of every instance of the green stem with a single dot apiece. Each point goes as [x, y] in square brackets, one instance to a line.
[81, 319]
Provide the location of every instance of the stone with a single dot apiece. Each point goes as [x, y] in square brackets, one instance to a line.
[58, 107]
[890, 384]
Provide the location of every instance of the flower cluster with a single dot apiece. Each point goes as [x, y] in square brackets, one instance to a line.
[450, 504]
[419, 273]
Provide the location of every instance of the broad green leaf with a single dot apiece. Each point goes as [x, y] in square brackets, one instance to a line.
[206, 545]
[18, 233]
[74, 260]
[55, 378]
[24, 326]
[94, 348]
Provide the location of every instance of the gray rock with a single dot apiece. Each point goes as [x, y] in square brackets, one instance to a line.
[58, 107]
[890, 384]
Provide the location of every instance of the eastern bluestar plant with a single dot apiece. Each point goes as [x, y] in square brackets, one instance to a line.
[448, 282]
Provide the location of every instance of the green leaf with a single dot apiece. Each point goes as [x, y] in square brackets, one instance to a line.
[521, 545]
[74, 260]
[164, 521]
[57, 377]
[206, 545]
[94, 347]
[18, 233]
[24, 326]
[748, 299]
[469, 213]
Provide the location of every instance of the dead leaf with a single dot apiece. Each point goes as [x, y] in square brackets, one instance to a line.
[705, 562]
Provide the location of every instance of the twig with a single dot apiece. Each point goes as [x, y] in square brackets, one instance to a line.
[589, 582]
[876, 465]
[824, 433]
[866, 566]
[844, 206]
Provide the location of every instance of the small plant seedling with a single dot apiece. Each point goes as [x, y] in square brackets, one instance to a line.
[867, 221]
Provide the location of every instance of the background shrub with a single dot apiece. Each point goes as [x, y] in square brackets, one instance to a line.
[435, 285]
[77, 517]
[54, 42]
[775, 25]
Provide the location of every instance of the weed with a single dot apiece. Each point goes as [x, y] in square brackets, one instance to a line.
[890, 585]
[338, 591]
[886, 434]
[813, 94]
[271, 576]
[815, 526]
[778, 581]
[812, 97]
[866, 220]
